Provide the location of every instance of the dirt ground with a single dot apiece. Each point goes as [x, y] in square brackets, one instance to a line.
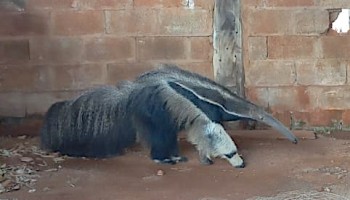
[276, 169]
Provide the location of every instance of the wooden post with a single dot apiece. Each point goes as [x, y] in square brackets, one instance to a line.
[227, 40]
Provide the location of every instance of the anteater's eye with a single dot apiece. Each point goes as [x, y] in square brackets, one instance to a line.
[230, 155]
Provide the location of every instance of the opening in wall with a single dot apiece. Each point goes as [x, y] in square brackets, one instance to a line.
[342, 23]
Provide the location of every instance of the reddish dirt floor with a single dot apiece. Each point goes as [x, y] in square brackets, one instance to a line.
[274, 167]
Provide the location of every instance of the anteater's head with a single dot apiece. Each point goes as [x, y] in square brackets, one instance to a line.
[221, 145]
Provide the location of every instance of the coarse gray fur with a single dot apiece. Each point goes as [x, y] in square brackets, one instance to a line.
[86, 126]
[216, 101]
[153, 108]
[104, 121]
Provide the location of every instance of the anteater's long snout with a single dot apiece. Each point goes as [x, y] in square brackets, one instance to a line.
[273, 122]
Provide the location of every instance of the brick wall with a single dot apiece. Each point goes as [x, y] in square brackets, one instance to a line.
[54, 49]
[294, 65]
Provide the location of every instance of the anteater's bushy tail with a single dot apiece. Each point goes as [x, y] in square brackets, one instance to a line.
[96, 124]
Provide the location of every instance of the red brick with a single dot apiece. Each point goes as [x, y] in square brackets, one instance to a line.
[78, 22]
[19, 23]
[287, 22]
[311, 21]
[325, 117]
[330, 98]
[39, 103]
[293, 119]
[270, 73]
[12, 105]
[336, 46]
[132, 22]
[203, 68]
[162, 48]
[258, 95]
[333, 3]
[119, 72]
[14, 51]
[101, 4]
[77, 4]
[22, 78]
[186, 22]
[201, 48]
[39, 4]
[289, 98]
[283, 117]
[157, 3]
[128, 71]
[160, 22]
[257, 48]
[207, 4]
[270, 22]
[346, 117]
[321, 72]
[56, 50]
[278, 3]
[255, 3]
[292, 47]
[286, 3]
[51, 78]
[51, 5]
[109, 49]
[73, 77]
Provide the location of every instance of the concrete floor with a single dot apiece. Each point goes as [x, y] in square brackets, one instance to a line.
[276, 169]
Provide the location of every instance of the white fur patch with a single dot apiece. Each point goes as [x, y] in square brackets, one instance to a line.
[209, 101]
[236, 161]
[210, 128]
